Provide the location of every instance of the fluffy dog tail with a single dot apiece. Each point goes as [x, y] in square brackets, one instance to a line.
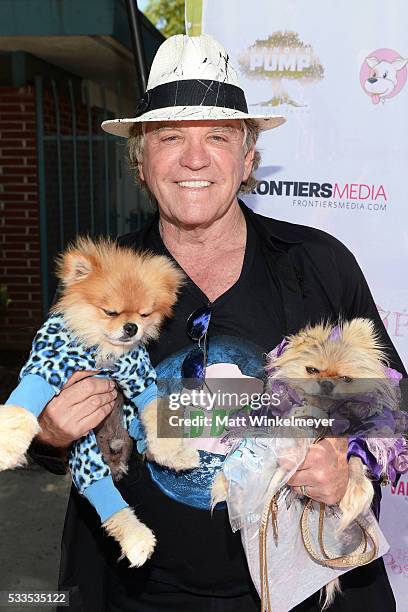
[329, 593]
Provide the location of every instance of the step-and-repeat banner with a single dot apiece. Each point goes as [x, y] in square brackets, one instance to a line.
[338, 72]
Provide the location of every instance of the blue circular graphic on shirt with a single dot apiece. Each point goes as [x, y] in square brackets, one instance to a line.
[193, 486]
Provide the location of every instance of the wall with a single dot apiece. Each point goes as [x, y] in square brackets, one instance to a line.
[19, 219]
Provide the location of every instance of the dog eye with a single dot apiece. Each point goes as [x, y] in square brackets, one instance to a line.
[110, 313]
[347, 379]
[145, 314]
[311, 370]
[385, 75]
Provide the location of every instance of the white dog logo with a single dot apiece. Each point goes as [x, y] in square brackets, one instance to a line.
[383, 79]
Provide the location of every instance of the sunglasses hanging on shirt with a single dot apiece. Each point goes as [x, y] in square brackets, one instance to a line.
[195, 362]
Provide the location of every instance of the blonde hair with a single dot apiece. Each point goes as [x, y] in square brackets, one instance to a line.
[135, 147]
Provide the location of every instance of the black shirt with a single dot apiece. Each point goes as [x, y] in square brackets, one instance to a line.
[298, 275]
[198, 552]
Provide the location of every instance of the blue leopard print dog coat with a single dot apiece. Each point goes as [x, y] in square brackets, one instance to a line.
[55, 355]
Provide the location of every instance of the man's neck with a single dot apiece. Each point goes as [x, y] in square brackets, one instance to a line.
[226, 233]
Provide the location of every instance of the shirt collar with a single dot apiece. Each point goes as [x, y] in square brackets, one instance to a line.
[271, 229]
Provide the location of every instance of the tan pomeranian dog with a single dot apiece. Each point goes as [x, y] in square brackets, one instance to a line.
[324, 363]
[113, 300]
[113, 297]
[330, 362]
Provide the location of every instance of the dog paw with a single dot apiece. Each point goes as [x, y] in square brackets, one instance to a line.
[17, 429]
[186, 459]
[219, 490]
[136, 541]
[142, 550]
[172, 453]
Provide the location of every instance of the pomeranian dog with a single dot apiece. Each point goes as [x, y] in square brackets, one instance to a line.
[113, 301]
[113, 297]
[323, 363]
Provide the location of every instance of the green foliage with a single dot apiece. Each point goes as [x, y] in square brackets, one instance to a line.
[194, 17]
[4, 297]
[167, 16]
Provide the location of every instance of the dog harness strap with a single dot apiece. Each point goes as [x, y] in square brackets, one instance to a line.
[193, 92]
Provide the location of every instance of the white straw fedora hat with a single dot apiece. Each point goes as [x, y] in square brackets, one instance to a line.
[191, 79]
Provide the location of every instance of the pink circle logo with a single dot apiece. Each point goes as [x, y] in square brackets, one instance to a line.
[383, 74]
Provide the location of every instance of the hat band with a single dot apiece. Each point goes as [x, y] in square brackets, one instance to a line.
[193, 92]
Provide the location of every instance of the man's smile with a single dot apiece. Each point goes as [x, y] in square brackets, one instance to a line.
[194, 184]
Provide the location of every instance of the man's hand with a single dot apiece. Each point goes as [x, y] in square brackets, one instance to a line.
[324, 471]
[82, 404]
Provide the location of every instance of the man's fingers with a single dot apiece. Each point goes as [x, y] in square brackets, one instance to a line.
[316, 494]
[324, 472]
[316, 455]
[80, 375]
[85, 389]
[64, 418]
[92, 420]
[79, 424]
[309, 490]
[313, 477]
[89, 406]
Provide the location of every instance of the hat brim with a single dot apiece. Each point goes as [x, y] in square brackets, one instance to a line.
[121, 127]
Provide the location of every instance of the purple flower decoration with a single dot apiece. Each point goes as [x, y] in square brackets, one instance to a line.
[288, 398]
[275, 353]
[397, 459]
[358, 448]
[393, 374]
[335, 334]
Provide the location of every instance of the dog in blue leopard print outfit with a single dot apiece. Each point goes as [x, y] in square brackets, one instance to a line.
[113, 301]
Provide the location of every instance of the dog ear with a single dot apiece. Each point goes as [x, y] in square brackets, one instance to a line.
[399, 63]
[168, 280]
[372, 61]
[310, 335]
[73, 267]
[78, 261]
[361, 333]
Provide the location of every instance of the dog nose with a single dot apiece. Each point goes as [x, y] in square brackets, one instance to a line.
[372, 80]
[130, 329]
[326, 386]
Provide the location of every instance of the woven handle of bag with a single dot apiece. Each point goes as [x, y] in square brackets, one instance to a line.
[360, 556]
[361, 548]
[269, 509]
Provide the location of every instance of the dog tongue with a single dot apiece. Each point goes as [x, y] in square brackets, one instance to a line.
[375, 98]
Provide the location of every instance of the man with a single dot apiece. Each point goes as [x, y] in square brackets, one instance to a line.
[192, 145]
